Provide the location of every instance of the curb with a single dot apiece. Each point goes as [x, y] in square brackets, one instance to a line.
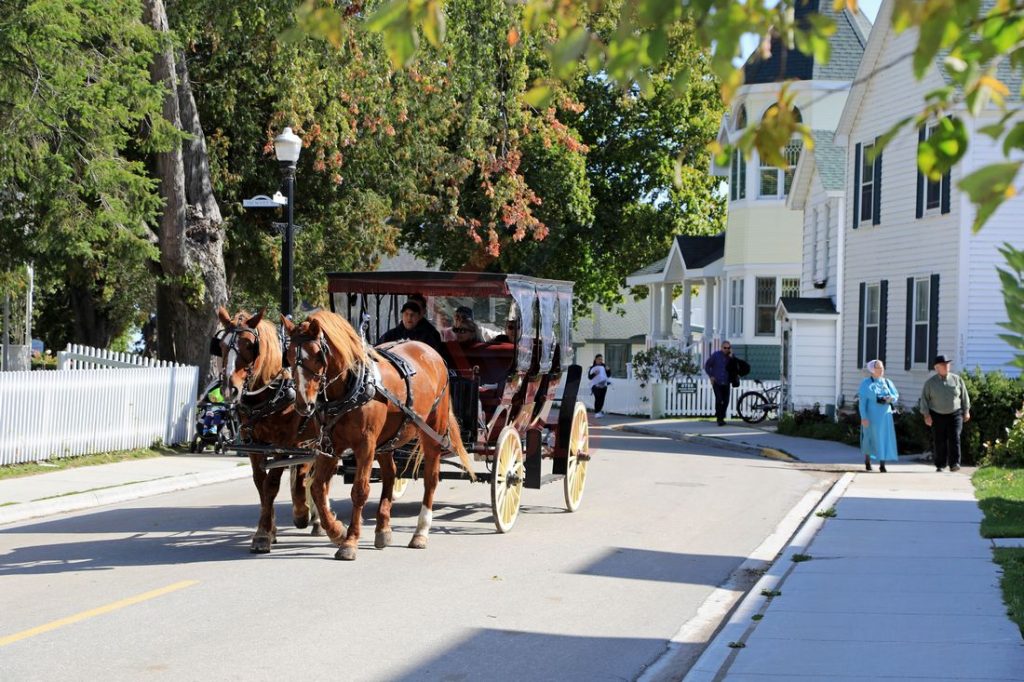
[712, 441]
[720, 602]
[117, 494]
[718, 655]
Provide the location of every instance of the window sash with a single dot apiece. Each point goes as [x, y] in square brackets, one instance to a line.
[616, 356]
[867, 183]
[872, 317]
[736, 306]
[921, 321]
[933, 191]
[765, 311]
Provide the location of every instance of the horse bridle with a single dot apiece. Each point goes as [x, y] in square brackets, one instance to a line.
[230, 339]
[324, 353]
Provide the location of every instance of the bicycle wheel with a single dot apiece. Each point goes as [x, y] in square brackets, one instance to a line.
[751, 407]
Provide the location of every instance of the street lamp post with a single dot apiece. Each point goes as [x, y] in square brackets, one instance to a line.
[287, 147]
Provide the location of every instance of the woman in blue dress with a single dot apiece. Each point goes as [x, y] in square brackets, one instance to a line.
[877, 396]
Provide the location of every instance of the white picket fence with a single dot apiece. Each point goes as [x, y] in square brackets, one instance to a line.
[628, 397]
[46, 415]
[87, 357]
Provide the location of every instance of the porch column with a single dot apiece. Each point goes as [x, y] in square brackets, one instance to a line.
[710, 319]
[687, 303]
[666, 310]
[655, 311]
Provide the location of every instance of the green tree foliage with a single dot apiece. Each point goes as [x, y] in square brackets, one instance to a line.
[74, 194]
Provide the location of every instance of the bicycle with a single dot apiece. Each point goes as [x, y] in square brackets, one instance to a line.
[755, 406]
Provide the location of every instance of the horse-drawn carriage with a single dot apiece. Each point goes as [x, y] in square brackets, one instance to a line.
[503, 389]
[399, 410]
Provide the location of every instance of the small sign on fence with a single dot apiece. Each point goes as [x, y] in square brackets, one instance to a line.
[686, 387]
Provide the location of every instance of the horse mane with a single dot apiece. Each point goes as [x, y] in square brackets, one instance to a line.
[345, 342]
[268, 365]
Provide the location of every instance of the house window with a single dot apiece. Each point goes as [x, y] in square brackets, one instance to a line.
[872, 320]
[616, 355]
[921, 322]
[736, 307]
[741, 118]
[932, 196]
[765, 311]
[776, 182]
[738, 177]
[790, 286]
[867, 183]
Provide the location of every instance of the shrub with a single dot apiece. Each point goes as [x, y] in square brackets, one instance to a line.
[994, 402]
[663, 363]
[1007, 451]
[810, 423]
[912, 434]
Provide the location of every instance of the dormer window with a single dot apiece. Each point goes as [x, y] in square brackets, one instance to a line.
[774, 181]
[741, 118]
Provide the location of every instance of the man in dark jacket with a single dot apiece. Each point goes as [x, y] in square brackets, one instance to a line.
[414, 327]
[718, 367]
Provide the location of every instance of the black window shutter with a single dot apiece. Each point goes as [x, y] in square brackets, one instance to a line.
[856, 189]
[933, 319]
[734, 188]
[743, 177]
[883, 314]
[860, 326]
[876, 217]
[907, 356]
[920, 179]
[946, 179]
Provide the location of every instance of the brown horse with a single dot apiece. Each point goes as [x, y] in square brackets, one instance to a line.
[345, 384]
[252, 383]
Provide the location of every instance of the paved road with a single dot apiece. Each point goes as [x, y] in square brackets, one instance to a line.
[164, 588]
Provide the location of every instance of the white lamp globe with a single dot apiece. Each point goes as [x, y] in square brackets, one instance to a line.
[287, 146]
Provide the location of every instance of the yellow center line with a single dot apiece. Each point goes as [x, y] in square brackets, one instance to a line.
[98, 611]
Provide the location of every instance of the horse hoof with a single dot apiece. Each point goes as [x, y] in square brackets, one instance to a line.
[418, 542]
[346, 553]
[301, 522]
[260, 545]
[316, 531]
[382, 539]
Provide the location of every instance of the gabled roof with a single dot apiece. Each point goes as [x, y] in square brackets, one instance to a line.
[654, 268]
[700, 251]
[847, 43]
[794, 306]
[826, 160]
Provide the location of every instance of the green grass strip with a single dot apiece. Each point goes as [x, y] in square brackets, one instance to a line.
[1000, 493]
[59, 463]
[1012, 562]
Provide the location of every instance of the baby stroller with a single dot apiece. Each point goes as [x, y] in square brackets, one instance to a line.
[214, 422]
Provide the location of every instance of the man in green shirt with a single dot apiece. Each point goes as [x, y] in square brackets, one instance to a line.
[945, 405]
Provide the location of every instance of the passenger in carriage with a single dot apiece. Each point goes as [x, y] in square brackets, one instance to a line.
[415, 327]
[511, 333]
[464, 320]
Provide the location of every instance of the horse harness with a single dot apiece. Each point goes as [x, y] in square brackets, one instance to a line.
[363, 385]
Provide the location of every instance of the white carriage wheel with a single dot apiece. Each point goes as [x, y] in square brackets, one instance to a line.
[575, 466]
[507, 478]
[401, 485]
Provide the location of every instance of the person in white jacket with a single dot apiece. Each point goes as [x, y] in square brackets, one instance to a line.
[598, 384]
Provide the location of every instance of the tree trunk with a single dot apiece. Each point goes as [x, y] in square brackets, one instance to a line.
[193, 284]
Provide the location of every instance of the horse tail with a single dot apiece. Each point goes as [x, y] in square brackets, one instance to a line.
[455, 438]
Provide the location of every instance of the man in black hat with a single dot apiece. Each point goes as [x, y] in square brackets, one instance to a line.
[414, 327]
[945, 405]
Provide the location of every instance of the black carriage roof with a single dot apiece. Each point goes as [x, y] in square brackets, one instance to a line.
[431, 283]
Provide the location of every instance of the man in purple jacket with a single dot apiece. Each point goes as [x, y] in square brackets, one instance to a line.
[717, 368]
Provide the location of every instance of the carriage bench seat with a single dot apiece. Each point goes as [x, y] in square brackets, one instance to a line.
[494, 360]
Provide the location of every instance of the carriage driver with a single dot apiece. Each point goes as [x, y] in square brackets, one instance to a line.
[415, 327]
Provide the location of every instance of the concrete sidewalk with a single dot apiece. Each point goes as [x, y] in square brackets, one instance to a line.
[67, 490]
[898, 585]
